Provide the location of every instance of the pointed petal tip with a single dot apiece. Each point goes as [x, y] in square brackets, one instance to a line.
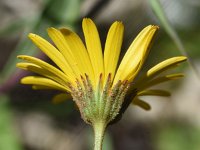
[23, 57]
[184, 58]
[153, 27]
[119, 23]
[51, 29]
[18, 65]
[180, 58]
[31, 35]
[22, 81]
[88, 22]
[85, 20]
[20, 56]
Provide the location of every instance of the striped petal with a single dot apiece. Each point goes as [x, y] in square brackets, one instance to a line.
[47, 66]
[64, 48]
[112, 48]
[42, 71]
[41, 81]
[81, 55]
[36, 69]
[158, 69]
[94, 47]
[52, 53]
[42, 87]
[135, 55]
[165, 65]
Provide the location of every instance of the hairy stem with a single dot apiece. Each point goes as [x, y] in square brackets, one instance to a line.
[99, 131]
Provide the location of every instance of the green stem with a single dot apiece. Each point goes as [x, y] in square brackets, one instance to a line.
[99, 131]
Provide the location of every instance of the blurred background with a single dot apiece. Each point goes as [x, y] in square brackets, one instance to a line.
[30, 121]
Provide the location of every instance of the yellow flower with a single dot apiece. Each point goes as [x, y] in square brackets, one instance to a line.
[93, 78]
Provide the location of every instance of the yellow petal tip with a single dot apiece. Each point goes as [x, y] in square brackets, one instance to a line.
[20, 56]
[50, 28]
[183, 58]
[87, 21]
[153, 27]
[31, 35]
[18, 65]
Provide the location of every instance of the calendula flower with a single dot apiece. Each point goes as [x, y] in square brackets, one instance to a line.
[101, 87]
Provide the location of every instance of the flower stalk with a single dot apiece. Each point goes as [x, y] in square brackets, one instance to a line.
[99, 132]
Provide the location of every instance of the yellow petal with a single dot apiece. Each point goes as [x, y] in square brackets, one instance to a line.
[143, 85]
[135, 55]
[48, 67]
[42, 71]
[141, 103]
[41, 81]
[35, 68]
[52, 53]
[112, 48]
[165, 65]
[42, 87]
[94, 47]
[80, 53]
[157, 69]
[68, 53]
[154, 93]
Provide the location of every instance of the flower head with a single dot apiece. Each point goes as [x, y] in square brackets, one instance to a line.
[97, 82]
